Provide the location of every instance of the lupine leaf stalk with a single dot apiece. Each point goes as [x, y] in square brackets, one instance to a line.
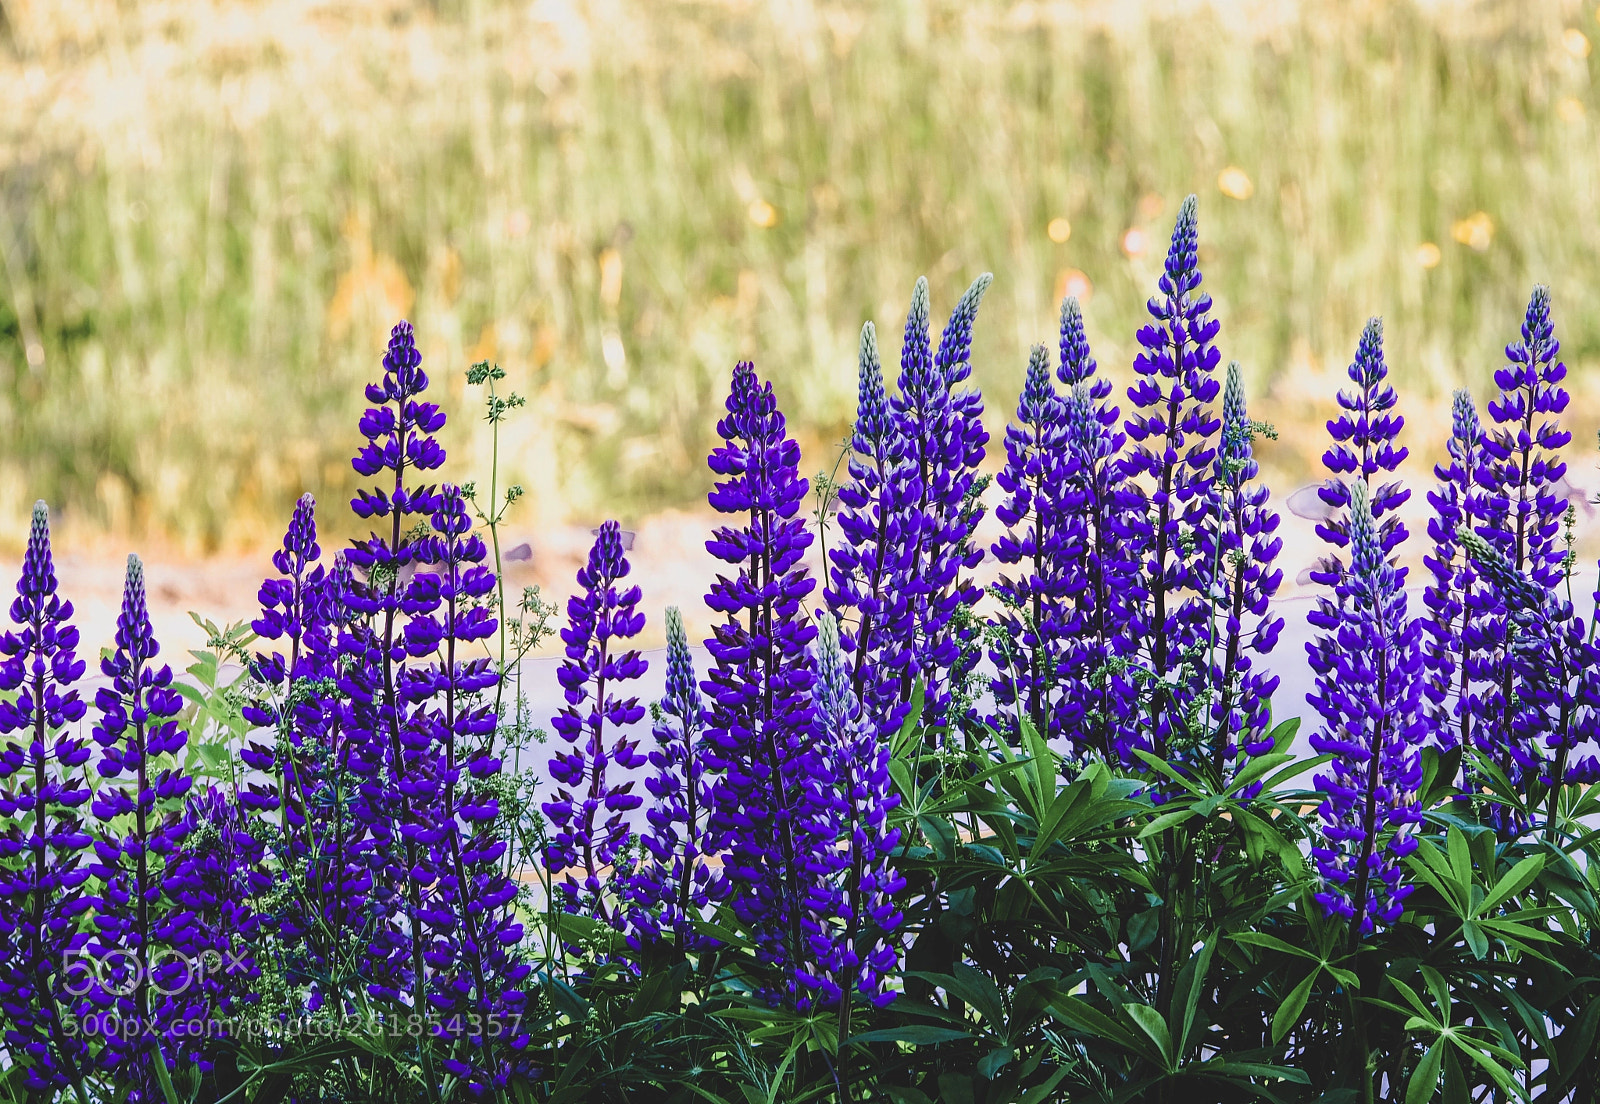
[42, 785]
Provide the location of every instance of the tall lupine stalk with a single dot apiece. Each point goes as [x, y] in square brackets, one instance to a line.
[1363, 445]
[1238, 549]
[1036, 665]
[1556, 656]
[760, 685]
[1172, 428]
[290, 607]
[472, 926]
[1455, 597]
[1369, 696]
[852, 921]
[939, 423]
[42, 783]
[675, 882]
[1524, 512]
[871, 573]
[140, 807]
[1109, 557]
[589, 809]
[398, 428]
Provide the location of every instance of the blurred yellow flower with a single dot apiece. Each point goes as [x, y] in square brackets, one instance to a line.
[1475, 231]
[1233, 183]
[1059, 230]
[1428, 255]
[1570, 109]
[1576, 42]
[763, 214]
[1135, 242]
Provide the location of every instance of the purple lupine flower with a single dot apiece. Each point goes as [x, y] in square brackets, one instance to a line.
[399, 754]
[1035, 655]
[675, 883]
[140, 808]
[1172, 428]
[1523, 512]
[851, 920]
[1238, 549]
[1555, 656]
[871, 573]
[1110, 511]
[42, 784]
[290, 608]
[1455, 598]
[1363, 439]
[472, 926]
[1369, 696]
[758, 729]
[589, 810]
[943, 438]
[211, 881]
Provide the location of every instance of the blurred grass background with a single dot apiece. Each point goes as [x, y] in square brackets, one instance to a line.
[211, 212]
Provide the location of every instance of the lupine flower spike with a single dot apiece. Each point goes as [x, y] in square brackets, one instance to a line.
[1239, 548]
[140, 809]
[1034, 655]
[1369, 696]
[759, 725]
[851, 920]
[42, 792]
[1171, 429]
[676, 882]
[871, 574]
[1522, 473]
[1110, 562]
[589, 808]
[1455, 598]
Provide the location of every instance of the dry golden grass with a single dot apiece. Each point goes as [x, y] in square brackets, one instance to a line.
[210, 213]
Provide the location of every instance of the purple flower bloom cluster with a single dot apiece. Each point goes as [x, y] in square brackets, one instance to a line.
[675, 883]
[144, 938]
[1238, 549]
[1454, 597]
[1172, 431]
[1369, 696]
[759, 725]
[42, 786]
[871, 575]
[589, 810]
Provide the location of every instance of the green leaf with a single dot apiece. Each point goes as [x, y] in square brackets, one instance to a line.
[1149, 1021]
[1288, 1014]
[912, 1034]
[1514, 882]
[995, 1061]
